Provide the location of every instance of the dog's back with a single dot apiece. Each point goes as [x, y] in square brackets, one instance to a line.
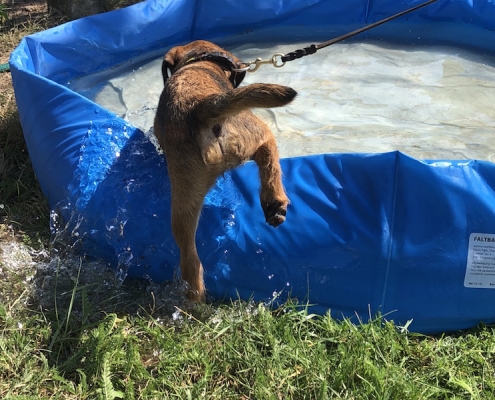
[200, 95]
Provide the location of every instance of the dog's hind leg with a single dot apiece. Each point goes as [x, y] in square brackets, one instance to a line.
[273, 199]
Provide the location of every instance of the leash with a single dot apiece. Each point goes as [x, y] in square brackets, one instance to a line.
[278, 60]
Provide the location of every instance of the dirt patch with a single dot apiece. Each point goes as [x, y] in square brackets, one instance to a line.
[21, 12]
[23, 17]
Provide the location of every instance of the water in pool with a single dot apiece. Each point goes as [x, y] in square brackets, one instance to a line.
[428, 102]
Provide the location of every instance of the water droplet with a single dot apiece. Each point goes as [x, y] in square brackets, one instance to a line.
[110, 228]
[123, 263]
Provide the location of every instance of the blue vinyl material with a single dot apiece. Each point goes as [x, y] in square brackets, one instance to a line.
[365, 233]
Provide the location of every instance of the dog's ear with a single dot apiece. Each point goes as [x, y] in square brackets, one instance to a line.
[168, 65]
[236, 77]
[171, 62]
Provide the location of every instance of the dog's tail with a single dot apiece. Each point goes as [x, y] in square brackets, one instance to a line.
[232, 102]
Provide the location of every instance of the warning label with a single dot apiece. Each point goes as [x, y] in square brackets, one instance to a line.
[480, 269]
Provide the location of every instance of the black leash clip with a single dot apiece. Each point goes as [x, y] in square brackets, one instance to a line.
[299, 53]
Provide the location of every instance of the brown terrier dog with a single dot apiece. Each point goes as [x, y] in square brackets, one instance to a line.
[204, 126]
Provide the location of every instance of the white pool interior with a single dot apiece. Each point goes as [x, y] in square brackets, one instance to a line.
[368, 97]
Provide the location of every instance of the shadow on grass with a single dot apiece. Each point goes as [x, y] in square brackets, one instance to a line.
[23, 205]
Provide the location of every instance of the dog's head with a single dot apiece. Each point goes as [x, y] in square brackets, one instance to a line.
[201, 50]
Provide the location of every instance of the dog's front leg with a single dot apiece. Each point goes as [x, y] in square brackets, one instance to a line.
[189, 187]
[273, 199]
[184, 225]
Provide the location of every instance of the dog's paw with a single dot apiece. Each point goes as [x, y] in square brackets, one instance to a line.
[196, 296]
[275, 212]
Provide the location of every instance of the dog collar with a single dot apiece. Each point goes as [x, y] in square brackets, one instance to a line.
[224, 61]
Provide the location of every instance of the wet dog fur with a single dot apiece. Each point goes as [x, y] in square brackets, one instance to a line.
[204, 126]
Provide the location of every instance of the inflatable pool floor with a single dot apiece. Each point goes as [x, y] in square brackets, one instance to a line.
[365, 233]
[429, 102]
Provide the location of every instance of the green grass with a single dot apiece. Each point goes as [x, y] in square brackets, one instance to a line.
[67, 333]
[236, 351]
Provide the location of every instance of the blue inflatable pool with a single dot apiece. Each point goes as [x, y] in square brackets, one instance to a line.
[365, 233]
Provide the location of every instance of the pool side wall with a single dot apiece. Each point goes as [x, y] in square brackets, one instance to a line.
[365, 233]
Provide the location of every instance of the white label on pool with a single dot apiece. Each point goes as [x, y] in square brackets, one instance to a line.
[480, 269]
